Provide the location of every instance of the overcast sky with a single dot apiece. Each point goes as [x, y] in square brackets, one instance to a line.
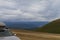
[29, 10]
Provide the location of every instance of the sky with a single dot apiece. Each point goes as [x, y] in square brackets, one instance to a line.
[29, 10]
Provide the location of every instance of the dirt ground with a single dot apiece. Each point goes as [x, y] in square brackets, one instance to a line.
[31, 35]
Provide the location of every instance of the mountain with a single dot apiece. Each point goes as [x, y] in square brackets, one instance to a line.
[25, 25]
[52, 27]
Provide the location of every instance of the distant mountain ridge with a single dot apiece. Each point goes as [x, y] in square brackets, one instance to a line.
[25, 25]
[52, 27]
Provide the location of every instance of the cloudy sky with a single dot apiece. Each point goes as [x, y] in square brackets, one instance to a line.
[29, 10]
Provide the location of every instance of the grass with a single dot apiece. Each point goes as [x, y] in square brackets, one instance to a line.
[52, 27]
[31, 35]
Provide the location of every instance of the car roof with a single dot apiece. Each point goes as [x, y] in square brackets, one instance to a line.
[2, 24]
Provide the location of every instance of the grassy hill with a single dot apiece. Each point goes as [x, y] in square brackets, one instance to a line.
[52, 27]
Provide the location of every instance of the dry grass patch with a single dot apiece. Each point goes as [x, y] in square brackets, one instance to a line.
[30, 35]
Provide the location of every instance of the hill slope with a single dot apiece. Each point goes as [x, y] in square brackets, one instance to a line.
[52, 27]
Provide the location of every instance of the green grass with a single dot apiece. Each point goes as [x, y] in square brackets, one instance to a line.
[52, 27]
